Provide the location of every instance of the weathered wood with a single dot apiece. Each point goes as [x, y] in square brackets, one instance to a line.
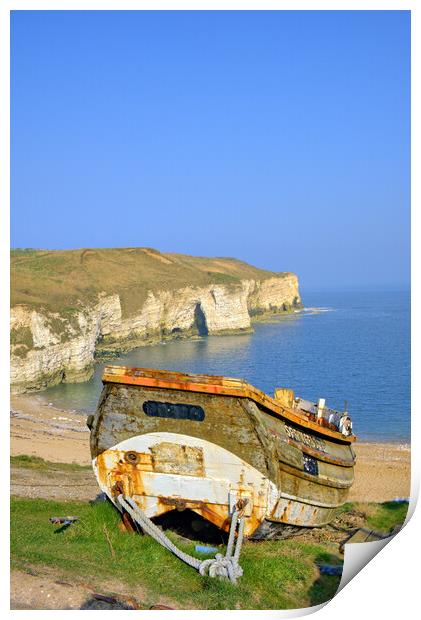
[305, 472]
[364, 534]
[224, 386]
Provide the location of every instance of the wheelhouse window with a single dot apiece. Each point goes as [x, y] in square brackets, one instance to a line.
[176, 411]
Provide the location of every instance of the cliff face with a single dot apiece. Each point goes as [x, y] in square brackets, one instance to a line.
[49, 345]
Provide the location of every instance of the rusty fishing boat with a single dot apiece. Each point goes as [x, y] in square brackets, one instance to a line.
[174, 441]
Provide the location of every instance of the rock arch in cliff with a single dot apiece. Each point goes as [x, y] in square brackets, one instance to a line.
[200, 322]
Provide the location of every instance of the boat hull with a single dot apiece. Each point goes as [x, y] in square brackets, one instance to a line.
[176, 449]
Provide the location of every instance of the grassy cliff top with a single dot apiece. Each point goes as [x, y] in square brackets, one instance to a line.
[59, 280]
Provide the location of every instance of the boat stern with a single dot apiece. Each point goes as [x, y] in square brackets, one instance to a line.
[168, 471]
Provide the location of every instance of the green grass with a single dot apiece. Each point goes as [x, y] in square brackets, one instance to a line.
[36, 462]
[61, 279]
[381, 517]
[277, 574]
[387, 516]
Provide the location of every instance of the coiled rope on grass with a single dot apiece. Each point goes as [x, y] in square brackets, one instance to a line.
[225, 567]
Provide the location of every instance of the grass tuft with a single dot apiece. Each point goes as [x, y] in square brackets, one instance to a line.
[388, 515]
[35, 462]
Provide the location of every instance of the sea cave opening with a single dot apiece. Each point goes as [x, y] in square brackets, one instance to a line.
[200, 322]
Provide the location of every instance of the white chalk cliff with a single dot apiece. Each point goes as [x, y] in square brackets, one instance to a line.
[58, 349]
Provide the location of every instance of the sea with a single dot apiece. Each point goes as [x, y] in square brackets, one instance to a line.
[351, 348]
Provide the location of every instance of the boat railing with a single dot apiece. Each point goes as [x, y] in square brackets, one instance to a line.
[325, 416]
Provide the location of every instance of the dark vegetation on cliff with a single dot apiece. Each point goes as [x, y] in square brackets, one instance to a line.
[62, 280]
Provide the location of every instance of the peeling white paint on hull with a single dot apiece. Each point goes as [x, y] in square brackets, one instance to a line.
[166, 471]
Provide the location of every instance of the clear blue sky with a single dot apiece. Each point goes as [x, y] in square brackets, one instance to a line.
[281, 138]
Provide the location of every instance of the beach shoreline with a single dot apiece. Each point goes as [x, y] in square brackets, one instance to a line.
[382, 471]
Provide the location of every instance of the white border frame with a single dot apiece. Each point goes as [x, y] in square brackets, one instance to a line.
[388, 585]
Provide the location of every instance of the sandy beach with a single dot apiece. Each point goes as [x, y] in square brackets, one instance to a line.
[382, 471]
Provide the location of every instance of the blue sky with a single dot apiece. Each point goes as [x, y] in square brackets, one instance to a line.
[281, 138]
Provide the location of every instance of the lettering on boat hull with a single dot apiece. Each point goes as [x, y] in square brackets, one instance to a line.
[305, 438]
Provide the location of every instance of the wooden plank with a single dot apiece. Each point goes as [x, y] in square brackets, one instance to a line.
[366, 535]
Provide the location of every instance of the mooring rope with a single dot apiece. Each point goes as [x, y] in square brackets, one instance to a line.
[227, 566]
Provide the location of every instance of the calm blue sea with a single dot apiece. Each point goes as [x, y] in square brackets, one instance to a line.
[346, 346]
